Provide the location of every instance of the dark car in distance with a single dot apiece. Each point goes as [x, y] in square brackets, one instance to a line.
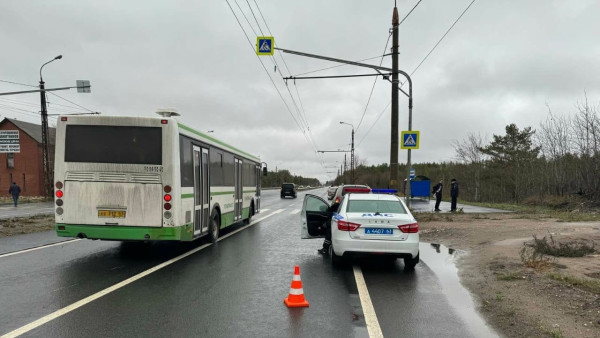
[288, 189]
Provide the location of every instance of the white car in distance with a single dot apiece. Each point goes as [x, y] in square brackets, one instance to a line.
[377, 224]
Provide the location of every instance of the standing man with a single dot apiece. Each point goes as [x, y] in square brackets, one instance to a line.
[14, 190]
[453, 194]
[437, 191]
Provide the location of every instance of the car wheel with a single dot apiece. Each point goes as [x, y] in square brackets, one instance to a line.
[335, 259]
[250, 213]
[215, 224]
[410, 263]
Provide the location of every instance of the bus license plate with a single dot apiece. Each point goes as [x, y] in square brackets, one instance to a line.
[111, 213]
[378, 231]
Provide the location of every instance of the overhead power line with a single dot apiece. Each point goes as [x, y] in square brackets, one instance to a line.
[442, 38]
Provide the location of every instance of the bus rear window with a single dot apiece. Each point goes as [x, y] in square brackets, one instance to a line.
[113, 144]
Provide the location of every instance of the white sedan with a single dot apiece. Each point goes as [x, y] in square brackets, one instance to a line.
[363, 224]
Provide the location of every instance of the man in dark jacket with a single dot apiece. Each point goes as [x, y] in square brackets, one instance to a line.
[453, 194]
[15, 191]
[327, 242]
[437, 191]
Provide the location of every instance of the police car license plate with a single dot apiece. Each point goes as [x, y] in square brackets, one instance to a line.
[111, 213]
[378, 231]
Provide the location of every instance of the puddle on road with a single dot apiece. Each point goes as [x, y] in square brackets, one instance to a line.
[442, 261]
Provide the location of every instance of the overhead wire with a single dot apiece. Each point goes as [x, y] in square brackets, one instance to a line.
[264, 67]
[442, 38]
[300, 110]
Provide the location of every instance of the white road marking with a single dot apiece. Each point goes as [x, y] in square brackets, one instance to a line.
[365, 301]
[263, 210]
[249, 225]
[291, 205]
[295, 211]
[61, 312]
[38, 248]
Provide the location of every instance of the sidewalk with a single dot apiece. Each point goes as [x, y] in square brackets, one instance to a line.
[26, 209]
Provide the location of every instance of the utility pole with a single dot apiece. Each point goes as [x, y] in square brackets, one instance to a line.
[45, 151]
[352, 158]
[46, 159]
[394, 124]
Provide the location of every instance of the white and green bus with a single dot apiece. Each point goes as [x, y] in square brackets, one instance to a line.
[149, 179]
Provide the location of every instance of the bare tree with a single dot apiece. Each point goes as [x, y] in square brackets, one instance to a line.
[469, 151]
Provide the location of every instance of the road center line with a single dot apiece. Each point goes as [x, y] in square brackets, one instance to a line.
[295, 211]
[58, 313]
[38, 248]
[365, 301]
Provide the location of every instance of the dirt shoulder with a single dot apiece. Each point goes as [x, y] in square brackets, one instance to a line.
[25, 225]
[560, 299]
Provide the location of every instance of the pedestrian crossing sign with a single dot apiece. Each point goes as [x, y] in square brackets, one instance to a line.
[265, 45]
[410, 139]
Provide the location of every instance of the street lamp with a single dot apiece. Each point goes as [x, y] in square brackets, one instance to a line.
[46, 160]
[351, 152]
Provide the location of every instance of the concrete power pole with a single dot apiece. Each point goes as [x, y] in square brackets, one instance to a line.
[394, 125]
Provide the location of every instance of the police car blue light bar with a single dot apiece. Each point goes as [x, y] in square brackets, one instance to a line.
[384, 191]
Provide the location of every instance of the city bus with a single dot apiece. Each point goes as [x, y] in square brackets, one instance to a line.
[149, 179]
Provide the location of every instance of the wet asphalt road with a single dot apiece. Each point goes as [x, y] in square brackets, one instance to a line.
[232, 289]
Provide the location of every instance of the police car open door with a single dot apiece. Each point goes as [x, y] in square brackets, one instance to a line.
[314, 218]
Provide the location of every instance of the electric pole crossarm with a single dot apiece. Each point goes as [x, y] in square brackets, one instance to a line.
[39, 90]
[334, 59]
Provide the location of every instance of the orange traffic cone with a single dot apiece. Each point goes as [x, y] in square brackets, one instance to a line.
[296, 296]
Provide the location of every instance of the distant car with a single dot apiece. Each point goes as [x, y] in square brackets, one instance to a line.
[331, 192]
[288, 189]
[364, 224]
[344, 189]
[301, 187]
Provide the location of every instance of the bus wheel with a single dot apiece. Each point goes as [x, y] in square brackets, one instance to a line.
[214, 227]
[250, 213]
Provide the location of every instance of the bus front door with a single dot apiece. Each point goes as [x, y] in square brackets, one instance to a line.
[239, 191]
[201, 191]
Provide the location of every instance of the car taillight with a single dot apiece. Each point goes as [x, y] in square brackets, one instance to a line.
[347, 226]
[337, 199]
[409, 228]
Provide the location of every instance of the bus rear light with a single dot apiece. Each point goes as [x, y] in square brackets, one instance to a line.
[164, 121]
[63, 118]
[59, 202]
[167, 188]
[167, 214]
[59, 193]
[167, 206]
[59, 211]
[61, 227]
[167, 198]
[409, 228]
[59, 185]
[347, 226]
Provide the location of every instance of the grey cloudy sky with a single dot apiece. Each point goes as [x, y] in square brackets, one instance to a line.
[501, 63]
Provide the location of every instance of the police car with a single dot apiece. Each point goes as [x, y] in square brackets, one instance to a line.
[364, 224]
